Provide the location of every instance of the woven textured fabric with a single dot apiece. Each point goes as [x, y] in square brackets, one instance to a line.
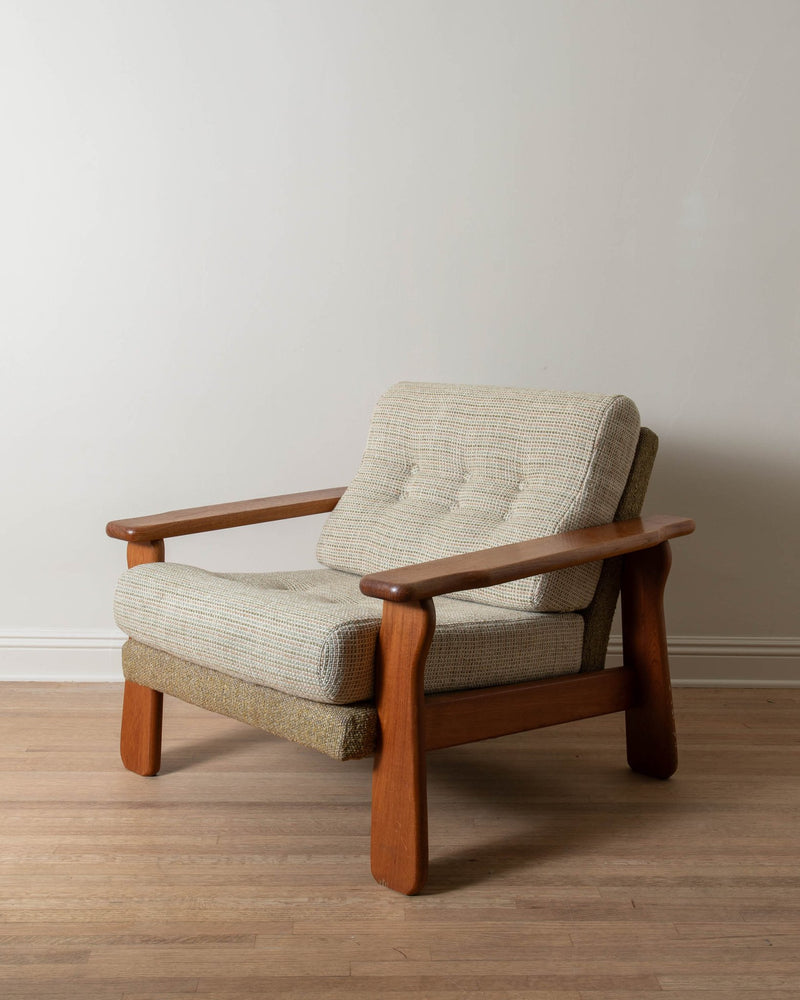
[312, 633]
[600, 613]
[451, 469]
[344, 732]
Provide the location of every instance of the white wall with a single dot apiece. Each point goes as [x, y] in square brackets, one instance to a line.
[228, 226]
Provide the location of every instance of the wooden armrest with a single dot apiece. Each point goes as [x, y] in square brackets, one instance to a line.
[503, 563]
[223, 515]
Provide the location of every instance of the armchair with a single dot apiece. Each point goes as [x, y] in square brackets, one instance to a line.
[517, 511]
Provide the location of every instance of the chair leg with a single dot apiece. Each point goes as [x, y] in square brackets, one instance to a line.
[399, 841]
[140, 740]
[650, 724]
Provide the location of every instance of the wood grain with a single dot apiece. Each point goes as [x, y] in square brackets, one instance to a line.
[139, 553]
[140, 731]
[556, 873]
[650, 723]
[466, 716]
[503, 563]
[194, 520]
[399, 851]
[142, 708]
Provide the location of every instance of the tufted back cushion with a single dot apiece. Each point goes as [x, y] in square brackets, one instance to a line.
[455, 468]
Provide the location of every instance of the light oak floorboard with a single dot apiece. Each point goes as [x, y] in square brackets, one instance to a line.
[243, 869]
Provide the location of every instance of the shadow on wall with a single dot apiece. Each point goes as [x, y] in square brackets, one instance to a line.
[739, 574]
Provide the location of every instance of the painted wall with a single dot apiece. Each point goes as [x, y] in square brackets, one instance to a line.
[227, 227]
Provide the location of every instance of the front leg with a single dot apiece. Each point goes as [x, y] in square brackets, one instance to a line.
[399, 843]
[140, 738]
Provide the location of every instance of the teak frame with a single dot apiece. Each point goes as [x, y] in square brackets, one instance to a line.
[411, 723]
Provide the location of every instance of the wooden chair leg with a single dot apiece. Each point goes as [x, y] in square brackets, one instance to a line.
[140, 739]
[399, 845]
[650, 724]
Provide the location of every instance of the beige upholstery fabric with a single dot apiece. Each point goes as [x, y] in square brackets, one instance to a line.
[452, 468]
[312, 633]
[600, 613]
[345, 732]
[348, 732]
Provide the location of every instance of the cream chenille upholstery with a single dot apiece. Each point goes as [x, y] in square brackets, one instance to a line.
[312, 633]
[447, 469]
[455, 468]
[317, 656]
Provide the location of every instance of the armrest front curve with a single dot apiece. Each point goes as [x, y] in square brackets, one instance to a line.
[504, 563]
[223, 515]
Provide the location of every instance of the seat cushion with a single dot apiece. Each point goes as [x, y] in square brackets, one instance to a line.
[312, 633]
[452, 468]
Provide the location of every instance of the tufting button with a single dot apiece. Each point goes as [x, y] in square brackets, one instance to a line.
[414, 470]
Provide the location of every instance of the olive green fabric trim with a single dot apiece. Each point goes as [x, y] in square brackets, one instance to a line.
[600, 613]
[344, 732]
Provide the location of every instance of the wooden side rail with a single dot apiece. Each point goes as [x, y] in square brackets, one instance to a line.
[467, 716]
[140, 739]
[194, 520]
[503, 563]
[411, 723]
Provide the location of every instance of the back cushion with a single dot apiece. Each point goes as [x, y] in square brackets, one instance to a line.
[455, 468]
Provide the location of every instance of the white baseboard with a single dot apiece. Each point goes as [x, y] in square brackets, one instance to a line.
[696, 661]
[727, 661]
[46, 654]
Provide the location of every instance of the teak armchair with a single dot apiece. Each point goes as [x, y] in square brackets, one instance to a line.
[461, 487]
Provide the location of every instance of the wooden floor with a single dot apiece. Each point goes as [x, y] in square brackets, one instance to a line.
[242, 871]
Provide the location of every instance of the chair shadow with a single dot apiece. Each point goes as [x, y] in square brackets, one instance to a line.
[191, 752]
[522, 790]
[542, 830]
